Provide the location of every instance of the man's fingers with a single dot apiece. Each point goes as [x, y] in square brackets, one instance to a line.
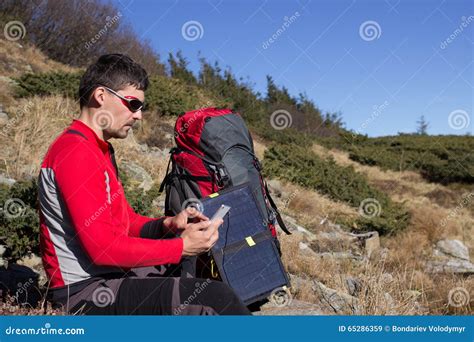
[213, 228]
[199, 226]
[200, 216]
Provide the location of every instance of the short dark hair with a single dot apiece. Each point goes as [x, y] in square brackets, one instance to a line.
[115, 71]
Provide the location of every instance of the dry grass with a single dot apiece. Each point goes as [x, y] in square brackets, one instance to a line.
[10, 308]
[33, 125]
[16, 59]
[310, 207]
[394, 281]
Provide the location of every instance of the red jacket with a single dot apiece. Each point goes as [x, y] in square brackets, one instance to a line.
[87, 226]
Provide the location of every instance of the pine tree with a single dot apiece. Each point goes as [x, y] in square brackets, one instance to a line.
[422, 128]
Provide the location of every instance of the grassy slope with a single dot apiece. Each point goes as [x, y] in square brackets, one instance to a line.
[39, 120]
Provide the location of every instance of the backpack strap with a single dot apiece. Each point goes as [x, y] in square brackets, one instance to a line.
[277, 213]
[169, 175]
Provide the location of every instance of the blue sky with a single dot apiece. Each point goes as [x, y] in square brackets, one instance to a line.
[381, 79]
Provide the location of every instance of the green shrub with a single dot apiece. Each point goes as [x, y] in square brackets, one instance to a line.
[170, 96]
[341, 183]
[442, 159]
[62, 83]
[19, 222]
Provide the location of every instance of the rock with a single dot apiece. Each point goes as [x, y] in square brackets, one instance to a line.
[306, 250]
[3, 117]
[450, 265]
[138, 174]
[389, 304]
[450, 256]
[353, 286]
[453, 248]
[275, 187]
[6, 180]
[3, 262]
[294, 227]
[295, 308]
[339, 302]
[32, 261]
[372, 244]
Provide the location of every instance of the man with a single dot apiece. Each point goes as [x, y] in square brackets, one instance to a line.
[97, 252]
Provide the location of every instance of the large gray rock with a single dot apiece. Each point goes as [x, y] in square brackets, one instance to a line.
[450, 256]
[294, 227]
[339, 302]
[452, 248]
[137, 174]
[452, 265]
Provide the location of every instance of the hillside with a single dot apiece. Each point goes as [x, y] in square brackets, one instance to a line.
[370, 237]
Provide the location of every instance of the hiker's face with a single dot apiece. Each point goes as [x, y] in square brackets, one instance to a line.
[122, 117]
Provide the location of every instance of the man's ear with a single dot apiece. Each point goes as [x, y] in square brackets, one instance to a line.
[98, 95]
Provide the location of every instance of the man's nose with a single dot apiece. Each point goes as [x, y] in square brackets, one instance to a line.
[137, 115]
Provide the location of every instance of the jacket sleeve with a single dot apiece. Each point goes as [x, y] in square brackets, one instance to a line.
[80, 176]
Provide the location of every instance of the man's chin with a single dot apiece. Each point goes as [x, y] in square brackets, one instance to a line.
[121, 133]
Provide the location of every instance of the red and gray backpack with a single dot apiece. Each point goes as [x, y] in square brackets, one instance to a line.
[214, 151]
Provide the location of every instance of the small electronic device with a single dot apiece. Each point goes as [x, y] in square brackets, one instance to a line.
[221, 212]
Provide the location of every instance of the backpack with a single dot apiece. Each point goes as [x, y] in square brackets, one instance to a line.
[214, 151]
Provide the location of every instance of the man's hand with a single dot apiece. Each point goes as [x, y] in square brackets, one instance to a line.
[176, 224]
[200, 237]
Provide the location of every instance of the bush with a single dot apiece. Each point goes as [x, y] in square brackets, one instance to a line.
[442, 159]
[298, 165]
[62, 83]
[19, 222]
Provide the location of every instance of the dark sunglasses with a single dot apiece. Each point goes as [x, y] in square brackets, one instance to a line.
[131, 102]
